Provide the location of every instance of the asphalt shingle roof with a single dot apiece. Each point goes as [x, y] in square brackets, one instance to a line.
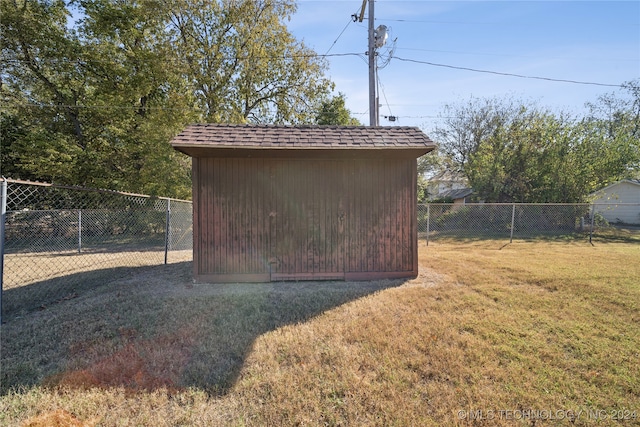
[456, 194]
[301, 137]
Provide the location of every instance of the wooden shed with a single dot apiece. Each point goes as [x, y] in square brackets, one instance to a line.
[277, 203]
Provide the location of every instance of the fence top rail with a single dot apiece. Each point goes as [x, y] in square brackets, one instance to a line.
[92, 190]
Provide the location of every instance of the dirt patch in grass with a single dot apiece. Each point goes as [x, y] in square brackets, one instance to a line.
[141, 365]
[57, 418]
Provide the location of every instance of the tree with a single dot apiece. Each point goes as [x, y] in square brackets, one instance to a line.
[615, 119]
[334, 112]
[518, 152]
[34, 37]
[95, 101]
[242, 63]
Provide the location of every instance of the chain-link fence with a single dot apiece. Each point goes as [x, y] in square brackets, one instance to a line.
[60, 240]
[523, 221]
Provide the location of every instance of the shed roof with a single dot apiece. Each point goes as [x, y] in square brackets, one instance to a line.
[197, 139]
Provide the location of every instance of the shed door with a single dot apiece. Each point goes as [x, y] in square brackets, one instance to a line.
[307, 219]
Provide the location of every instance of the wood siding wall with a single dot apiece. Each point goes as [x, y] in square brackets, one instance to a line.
[262, 219]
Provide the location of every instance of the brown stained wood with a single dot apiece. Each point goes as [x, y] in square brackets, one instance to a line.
[307, 225]
[307, 276]
[197, 201]
[356, 255]
[233, 278]
[387, 220]
[225, 243]
[304, 219]
[371, 203]
[413, 217]
[378, 275]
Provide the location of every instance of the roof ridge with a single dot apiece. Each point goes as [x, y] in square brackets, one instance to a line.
[271, 125]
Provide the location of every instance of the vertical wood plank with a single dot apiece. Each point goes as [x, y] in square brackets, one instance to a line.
[372, 212]
[196, 214]
[206, 236]
[251, 220]
[414, 215]
[231, 212]
[225, 242]
[322, 183]
[356, 230]
[240, 209]
[332, 217]
[217, 208]
[341, 216]
[405, 216]
[397, 242]
[388, 220]
[384, 218]
[273, 209]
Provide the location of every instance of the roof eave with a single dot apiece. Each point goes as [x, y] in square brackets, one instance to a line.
[198, 150]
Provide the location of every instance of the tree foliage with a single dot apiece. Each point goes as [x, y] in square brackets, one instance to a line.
[334, 112]
[242, 62]
[93, 90]
[513, 151]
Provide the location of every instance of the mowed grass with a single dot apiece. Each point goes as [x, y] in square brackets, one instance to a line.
[532, 333]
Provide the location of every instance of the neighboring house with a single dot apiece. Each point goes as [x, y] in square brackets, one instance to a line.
[619, 202]
[445, 182]
[459, 197]
[303, 202]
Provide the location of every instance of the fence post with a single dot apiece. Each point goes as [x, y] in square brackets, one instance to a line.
[513, 218]
[167, 232]
[3, 216]
[79, 230]
[428, 218]
[593, 216]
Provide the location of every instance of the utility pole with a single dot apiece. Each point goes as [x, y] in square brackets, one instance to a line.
[371, 52]
[373, 98]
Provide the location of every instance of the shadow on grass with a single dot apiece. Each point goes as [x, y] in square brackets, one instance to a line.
[23, 300]
[149, 328]
[621, 234]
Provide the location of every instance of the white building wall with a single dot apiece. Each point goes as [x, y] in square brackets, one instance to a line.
[612, 202]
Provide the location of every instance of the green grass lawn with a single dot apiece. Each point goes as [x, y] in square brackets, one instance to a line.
[532, 333]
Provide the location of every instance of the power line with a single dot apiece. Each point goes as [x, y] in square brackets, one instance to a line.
[339, 35]
[438, 22]
[458, 52]
[501, 23]
[226, 58]
[522, 76]
[100, 107]
[137, 107]
[390, 117]
[476, 70]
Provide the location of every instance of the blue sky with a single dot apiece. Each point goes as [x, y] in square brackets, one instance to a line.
[590, 41]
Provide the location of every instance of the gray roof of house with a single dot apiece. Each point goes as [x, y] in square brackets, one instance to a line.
[631, 181]
[272, 137]
[456, 194]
